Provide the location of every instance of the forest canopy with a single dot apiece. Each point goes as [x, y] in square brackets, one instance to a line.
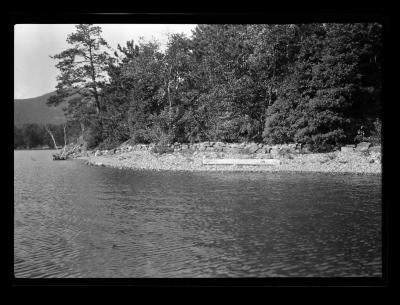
[314, 84]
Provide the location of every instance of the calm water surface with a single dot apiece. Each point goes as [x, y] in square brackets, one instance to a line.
[71, 220]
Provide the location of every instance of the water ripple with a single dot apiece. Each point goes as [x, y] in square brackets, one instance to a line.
[77, 221]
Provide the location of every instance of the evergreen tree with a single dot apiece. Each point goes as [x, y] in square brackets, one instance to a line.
[83, 74]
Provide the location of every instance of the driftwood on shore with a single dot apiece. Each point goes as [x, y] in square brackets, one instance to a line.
[60, 155]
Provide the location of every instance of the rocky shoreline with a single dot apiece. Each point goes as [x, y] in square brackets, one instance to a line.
[360, 159]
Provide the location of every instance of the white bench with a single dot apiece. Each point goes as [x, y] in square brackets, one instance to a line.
[241, 161]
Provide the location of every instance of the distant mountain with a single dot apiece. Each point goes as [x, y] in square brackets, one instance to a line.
[35, 110]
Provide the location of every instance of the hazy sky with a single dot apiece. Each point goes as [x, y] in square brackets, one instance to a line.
[34, 71]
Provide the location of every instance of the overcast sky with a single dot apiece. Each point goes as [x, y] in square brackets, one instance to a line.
[34, 71]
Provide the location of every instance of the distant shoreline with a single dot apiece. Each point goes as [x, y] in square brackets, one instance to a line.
[37, 148]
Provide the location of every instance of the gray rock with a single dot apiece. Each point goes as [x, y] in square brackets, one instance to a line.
[253, 148]
[376, 148]
[347, 149]
[324, 160]
[219, 144]
[233, 150]
[275, 152]
[184, 146]
[267, 148]
[263, 150]
[264, 156]
[291, 147]
[286, 153]
[363, 146]
[305, 149]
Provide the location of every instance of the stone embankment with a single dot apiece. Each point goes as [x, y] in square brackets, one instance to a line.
[217, 147]
[361, 158]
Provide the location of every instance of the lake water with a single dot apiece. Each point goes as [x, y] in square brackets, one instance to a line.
[71, 220]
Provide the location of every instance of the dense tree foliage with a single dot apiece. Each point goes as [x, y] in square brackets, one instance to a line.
[316, 84]
[333, 89]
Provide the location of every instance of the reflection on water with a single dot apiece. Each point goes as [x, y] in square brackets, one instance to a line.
[77, 221]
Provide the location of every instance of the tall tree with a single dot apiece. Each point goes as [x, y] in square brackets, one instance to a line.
[83, 68]
[141, 76]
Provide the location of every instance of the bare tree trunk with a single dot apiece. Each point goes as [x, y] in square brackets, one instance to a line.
[65, 140]
[170, 102]
[93, 75]
[57, 156]
[51, 134]
[82, 128]
[96, 94]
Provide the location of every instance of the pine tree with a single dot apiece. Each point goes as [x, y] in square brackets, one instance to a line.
[83, 71]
